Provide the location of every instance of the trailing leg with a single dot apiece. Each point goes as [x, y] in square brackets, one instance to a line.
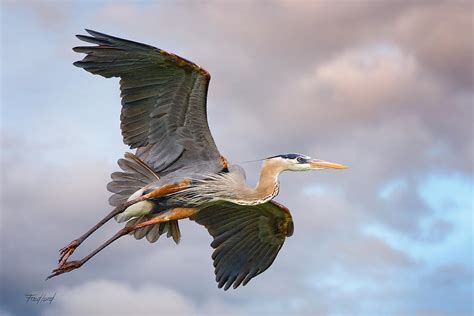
[166, 189]
[174, 214]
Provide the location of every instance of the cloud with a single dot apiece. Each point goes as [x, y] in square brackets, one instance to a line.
[4, 313]
[449, 275]
[105, 297]
[443, 49]
[334, 93]
[47, 14]
[382, 87]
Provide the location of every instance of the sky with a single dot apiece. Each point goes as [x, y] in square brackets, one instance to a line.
[382, 86]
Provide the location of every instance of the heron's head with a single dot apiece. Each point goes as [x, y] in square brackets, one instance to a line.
[299, 162]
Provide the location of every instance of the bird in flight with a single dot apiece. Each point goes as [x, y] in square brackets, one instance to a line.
[177, 171]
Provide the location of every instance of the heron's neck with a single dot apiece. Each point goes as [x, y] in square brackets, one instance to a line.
[266, 189]
[268, 185]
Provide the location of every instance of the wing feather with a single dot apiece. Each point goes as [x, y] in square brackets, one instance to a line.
[247, 239]
[163, 101]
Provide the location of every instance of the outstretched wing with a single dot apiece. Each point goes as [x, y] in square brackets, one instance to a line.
[246, 238]
[163, 101]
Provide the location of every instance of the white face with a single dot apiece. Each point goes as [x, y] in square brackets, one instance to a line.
[299, 163]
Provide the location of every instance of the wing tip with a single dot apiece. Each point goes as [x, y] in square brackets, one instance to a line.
[204, 73]
[86, 38]
[102, 38]
[97, 34]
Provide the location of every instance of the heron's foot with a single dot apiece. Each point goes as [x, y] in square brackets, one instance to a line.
[66, 252]
[66, 267]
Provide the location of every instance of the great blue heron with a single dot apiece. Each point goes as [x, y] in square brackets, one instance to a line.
[177, 171]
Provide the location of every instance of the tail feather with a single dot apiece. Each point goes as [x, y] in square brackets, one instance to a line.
[153, 232]
[135, 175]
[173, 231]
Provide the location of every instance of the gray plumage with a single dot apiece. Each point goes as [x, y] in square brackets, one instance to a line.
[135, 176]
[163, 101]
[164, 117]
[246, 239]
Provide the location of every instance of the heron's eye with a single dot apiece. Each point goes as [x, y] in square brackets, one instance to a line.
[301, 160]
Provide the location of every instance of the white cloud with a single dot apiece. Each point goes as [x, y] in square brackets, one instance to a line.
[111, 297]
[106, 297]
[4, 313]
[378, 86]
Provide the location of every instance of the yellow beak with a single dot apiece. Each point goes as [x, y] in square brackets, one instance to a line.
[321, 164]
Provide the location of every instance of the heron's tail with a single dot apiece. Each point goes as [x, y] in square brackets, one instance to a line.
[135, 175]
